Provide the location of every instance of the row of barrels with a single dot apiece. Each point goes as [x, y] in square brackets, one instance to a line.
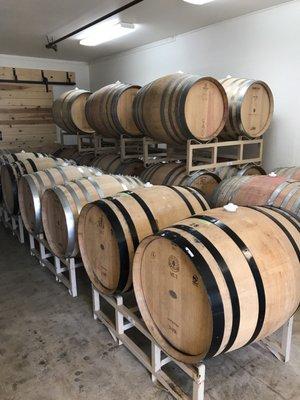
[171, 109]
[206, 281]
[168, 244]
[168, 174]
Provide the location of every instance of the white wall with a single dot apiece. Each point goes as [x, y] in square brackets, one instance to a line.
[263, 45]
[81, 70]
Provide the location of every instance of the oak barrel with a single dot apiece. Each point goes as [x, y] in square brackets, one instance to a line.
[66, 152]
[61, 206]
[85, 158]
[178, 107]
[32, 186]
[217, 281]
[8, 157]
[258, 191]
[236, 170]
[11, 173]
[109, 111]
[251, 107]
[289, 172]
[12, 157]
[69, 112]
[112, 164]
[174, 174]
[110, 230]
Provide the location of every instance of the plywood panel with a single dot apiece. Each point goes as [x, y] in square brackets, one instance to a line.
[15, 103]
[24, 74]
[24, 87]
[26, 115]
[6, 73]
[23, 129]
[59, 76]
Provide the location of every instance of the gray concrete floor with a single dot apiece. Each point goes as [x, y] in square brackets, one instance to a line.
[52, 349]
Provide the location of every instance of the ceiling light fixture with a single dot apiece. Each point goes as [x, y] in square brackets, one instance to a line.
[198, 2]
[107, 32]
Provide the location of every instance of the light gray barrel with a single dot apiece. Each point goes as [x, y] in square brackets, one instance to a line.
[32, 186]
[61, 206]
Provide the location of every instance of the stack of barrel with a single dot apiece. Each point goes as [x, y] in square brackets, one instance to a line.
[171, 110]
[107, 113]
[207, 281]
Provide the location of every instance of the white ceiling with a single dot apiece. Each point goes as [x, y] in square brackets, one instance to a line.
[24, 24]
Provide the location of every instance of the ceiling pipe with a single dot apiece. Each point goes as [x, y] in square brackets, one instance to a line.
[52, 44]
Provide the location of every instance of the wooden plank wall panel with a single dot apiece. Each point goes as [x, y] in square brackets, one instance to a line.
[26, 114]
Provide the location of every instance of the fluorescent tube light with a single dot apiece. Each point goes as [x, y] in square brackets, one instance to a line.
[106, 33]
[198, 2]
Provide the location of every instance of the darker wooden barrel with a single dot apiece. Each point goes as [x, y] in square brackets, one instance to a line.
[179, 107]
[61, 206]
[289, 172]
[251, 107]
[217, 281]
[69, 112]
[66, 152]
[11, 174]
[235, 170]
[12, 157]
[7, 157]
[258, 191]
[112, 164]
[110, 230]
[85, 158]
[109, 111]
[174, 174]
[32, 186]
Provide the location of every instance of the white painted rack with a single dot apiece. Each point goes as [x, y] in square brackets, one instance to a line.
[14, 223]
[126, 317]
[196, 155]
[59, 266]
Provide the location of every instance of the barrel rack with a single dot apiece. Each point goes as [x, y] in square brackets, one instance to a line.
[197, 155]
[126, 316]
[14, 223]
[40, 249]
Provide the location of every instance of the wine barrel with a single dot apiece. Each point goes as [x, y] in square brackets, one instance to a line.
[112, 164]
[110, 230]
[174, 174]
[258, 191]
[236, 170]
[66, 152]
[289, 172]
[251, 107]
[61, 206]
[217, 281]
[86, 158]
[11, 173]
[31, 188]
[109, 111]
[69, 112]
[12, 157]
[179, 107]
[7, 157]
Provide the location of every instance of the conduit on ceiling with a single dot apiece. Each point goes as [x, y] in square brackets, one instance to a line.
[52, 44]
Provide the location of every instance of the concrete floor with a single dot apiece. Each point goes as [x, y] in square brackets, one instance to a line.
[52, 349]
